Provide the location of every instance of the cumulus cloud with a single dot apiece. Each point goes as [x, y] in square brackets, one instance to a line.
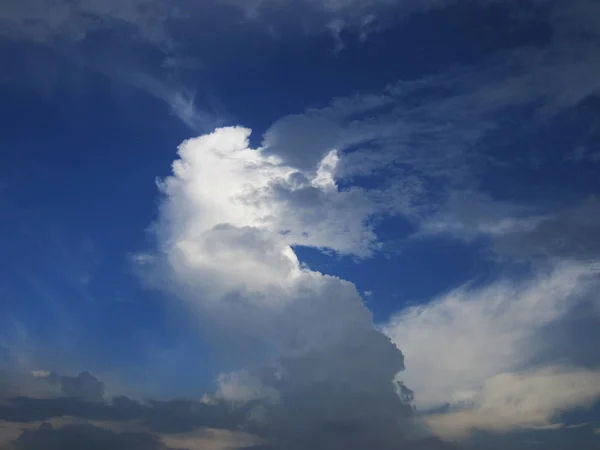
[468, 348]
[229, 220]
[222, 187]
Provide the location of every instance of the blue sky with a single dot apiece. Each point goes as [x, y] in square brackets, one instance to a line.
[278, 210]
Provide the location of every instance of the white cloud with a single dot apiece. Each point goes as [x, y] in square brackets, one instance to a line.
[232, 214]
[181, 100]
[230, 192]
[228, 222]
[463, 349]
[510, 401]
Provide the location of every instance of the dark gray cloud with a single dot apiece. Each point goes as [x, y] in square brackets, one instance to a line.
[172, 416]
[84, 386]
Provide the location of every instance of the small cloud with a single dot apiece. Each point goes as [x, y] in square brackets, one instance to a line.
[142, 259]
[368, 293]
[40, 373]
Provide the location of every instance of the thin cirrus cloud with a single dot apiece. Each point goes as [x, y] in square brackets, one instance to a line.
[152, 20]
[45, 22]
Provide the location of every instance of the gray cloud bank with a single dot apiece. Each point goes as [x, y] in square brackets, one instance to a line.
[61, 422]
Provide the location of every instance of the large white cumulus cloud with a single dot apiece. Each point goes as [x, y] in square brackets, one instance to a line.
[228, 222]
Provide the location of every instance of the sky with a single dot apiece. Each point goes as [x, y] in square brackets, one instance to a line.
[291, 224]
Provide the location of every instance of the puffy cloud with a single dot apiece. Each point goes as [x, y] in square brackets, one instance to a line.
[235, 193]
[228, 222]
[467, 349]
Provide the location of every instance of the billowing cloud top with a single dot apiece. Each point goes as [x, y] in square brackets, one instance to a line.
[228, 223]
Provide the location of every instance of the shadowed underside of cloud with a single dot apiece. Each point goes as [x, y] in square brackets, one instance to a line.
[75, 422]
[319, 415]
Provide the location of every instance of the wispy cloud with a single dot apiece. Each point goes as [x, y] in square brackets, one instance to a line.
[45, 22]
[181, 100]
